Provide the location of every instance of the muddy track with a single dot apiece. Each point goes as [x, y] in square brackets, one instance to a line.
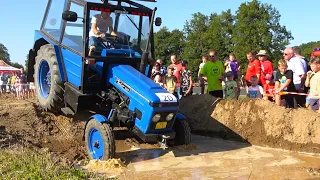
[22, 122]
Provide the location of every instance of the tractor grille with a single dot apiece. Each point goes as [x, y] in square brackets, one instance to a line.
[152, 125]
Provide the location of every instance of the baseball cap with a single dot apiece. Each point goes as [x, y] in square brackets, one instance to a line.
[170, 67]
[229, 74]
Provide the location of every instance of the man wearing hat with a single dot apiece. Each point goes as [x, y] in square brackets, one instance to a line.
[266, 66]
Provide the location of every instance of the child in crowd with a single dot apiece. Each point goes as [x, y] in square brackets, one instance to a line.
[255, 90]
[186, 79]
[233, 66]
[158, 80]
[284, 83]
[170, 81]
[314, 84]
[230, 89]
[156, 71]
[269, 89]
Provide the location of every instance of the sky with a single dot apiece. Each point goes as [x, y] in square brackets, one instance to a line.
[18, 22]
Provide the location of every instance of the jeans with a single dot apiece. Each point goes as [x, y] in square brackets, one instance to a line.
[178, 92]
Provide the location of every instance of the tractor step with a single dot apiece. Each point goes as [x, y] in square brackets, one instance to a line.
[67, 111]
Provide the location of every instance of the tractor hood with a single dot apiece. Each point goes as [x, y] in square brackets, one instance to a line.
[123, 52]
[133, 83]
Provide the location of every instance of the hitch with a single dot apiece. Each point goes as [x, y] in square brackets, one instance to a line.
[163, 143]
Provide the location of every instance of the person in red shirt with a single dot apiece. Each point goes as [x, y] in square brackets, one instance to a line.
[254, 67]
[177, 73]
[266, 66]
[269, 88]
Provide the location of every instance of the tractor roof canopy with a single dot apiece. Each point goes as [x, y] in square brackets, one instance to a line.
[130, 20]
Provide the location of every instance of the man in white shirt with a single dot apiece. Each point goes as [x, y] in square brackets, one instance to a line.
[298, 65]
[101, 23]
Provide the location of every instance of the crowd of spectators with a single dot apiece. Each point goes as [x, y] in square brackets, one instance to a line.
[294, 83]
[16, 84]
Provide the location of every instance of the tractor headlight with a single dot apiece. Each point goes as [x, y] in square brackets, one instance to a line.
[156, 118]
[169, 117]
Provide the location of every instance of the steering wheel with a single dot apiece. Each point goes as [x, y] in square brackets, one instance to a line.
[110, 39]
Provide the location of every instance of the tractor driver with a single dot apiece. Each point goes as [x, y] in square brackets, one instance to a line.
[101, 23]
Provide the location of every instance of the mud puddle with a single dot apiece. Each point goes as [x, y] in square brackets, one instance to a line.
[219, 159]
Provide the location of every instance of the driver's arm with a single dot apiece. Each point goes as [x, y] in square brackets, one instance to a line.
[113, 33]
[94, 28]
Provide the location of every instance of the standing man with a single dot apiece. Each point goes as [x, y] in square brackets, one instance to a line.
[266, 67]
[177, 73]
[254, 68]
[212, 72]
[203, 85]
[296, 64]
[297, 53]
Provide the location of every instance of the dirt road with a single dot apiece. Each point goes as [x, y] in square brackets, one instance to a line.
[205, 158]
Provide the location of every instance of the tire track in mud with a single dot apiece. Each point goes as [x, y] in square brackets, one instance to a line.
[23, 123]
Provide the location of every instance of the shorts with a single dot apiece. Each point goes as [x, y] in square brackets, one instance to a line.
[217, 93]
[25, 87]
[288, 101]
[235, 76]
[3, 86]
[93, 41]
[314, 104]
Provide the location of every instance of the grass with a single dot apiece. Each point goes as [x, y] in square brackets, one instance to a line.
[21, 163]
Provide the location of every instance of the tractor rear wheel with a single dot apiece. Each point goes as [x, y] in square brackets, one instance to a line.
[49, 88]
[183, 132]
[99, 139]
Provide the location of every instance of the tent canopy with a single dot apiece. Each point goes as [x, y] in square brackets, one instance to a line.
[7, 69]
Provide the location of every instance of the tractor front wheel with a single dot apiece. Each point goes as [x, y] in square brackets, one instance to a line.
[183, 132]
[49, 88]
[99, 140]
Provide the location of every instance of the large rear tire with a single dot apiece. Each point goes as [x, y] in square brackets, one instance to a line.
[99, 139]
[49, 88]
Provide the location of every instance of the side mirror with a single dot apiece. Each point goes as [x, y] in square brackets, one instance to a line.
[158, 21]
[70, 16]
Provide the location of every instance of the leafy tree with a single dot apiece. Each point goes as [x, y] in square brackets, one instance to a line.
[167, 43]
[16, 65]
[26, 63]
[258, 27]
[196, 43]
[219, 34]
[307, 48]
[4, 55]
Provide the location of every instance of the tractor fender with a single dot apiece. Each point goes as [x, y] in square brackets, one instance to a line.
[98, 117]
[180, 117]
[39, 40]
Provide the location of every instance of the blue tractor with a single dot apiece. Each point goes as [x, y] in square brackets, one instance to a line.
[111, 80]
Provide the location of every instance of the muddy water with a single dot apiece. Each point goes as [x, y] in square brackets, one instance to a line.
[218, 159]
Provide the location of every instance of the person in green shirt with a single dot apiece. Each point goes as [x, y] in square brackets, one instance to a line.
[212, 72]
[230, 87]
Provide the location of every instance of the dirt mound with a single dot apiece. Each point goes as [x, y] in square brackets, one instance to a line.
[258, 122]
[22, 123]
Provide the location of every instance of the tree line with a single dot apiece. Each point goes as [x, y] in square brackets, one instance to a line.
[253, 27]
